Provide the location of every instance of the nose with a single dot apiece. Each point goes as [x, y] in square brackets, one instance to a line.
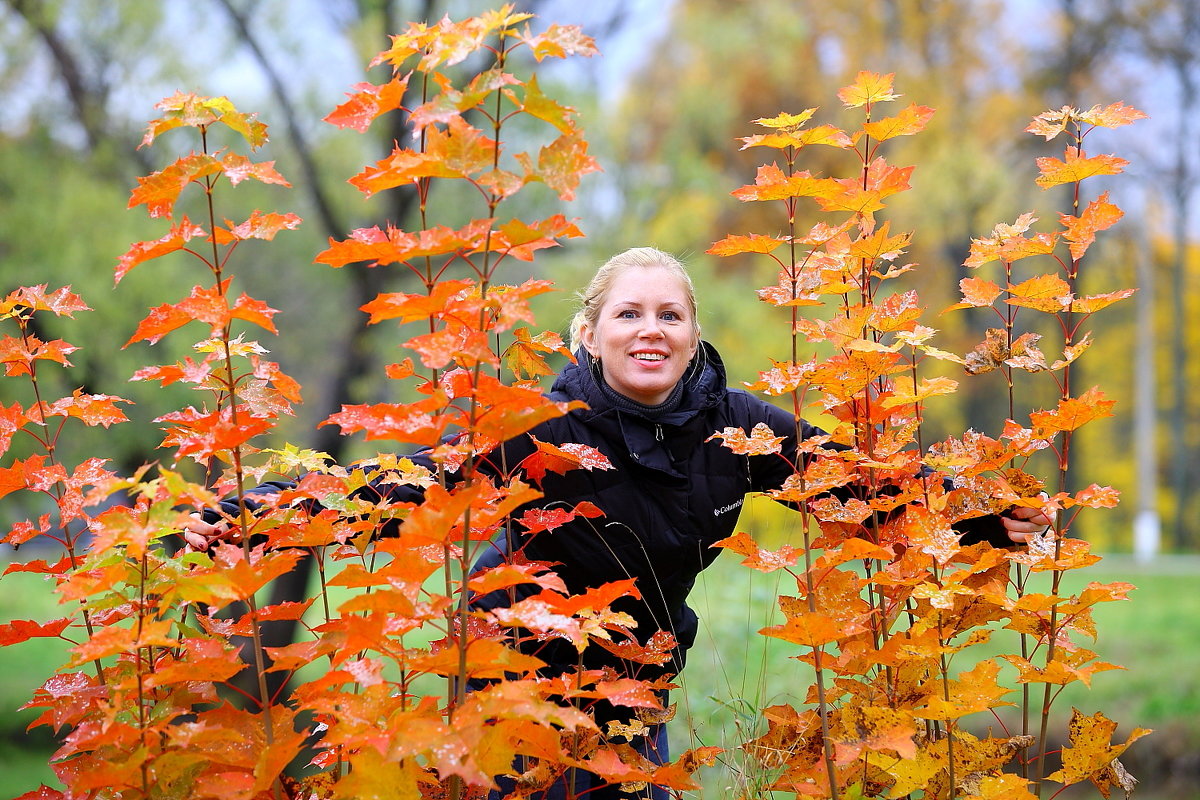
[650, 328]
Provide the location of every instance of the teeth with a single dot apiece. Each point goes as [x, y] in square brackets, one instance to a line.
[649, 356]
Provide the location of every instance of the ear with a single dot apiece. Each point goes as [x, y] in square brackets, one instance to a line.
[587, 338]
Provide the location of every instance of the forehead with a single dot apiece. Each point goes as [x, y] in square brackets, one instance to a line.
[655, 285]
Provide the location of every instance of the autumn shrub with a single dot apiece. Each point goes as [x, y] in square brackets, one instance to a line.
[154, 701]
[894, 597]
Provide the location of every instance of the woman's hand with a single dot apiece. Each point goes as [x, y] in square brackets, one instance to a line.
[1023, 522]
[201, 536]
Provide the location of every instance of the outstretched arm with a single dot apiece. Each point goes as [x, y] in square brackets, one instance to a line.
[1015, 526]
[206, 529]
[203, 530]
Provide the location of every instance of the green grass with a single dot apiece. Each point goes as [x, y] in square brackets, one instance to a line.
[1155, 636]
[732, 671]
[23, 668]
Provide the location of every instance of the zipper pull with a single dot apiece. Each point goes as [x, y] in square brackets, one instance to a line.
[658, 434]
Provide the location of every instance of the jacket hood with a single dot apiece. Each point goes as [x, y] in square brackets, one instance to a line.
[703, 386]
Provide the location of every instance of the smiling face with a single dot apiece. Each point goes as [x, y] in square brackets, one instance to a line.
[644, 334]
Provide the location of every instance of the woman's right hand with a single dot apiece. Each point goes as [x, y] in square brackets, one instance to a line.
[201, 536]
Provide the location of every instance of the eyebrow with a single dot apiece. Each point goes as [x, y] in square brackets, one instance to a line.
[637, 303]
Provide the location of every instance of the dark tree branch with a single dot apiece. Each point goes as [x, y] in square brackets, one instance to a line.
[304, 154]
[88, 98]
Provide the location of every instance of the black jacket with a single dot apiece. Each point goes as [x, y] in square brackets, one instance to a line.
[670, 495]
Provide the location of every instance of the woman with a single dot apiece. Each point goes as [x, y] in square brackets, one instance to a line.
[655, 394]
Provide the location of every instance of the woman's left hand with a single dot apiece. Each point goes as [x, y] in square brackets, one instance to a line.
[1023, 522]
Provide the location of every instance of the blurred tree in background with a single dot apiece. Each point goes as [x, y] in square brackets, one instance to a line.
[678, 83]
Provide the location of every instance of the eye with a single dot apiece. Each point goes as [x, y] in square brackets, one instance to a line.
[671, 316]
[627, 314]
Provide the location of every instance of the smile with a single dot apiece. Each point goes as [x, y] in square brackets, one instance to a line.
[650, 356]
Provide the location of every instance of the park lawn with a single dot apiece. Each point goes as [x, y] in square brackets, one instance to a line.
[1155, 636]
[23, 668]
[732, 672]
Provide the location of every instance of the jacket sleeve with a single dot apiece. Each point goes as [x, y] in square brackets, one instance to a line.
[769, 472]
[229, 508]
[378, 489]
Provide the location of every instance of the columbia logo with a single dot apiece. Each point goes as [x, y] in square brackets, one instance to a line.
[732, 506]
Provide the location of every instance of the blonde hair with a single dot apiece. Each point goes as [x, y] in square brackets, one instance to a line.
[593, 296]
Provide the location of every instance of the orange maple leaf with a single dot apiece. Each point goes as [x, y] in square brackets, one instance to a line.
[176, 239]
[258, 226]
[237, 168]
[1075, 167]
[203, 435]
[783, 378]
[401, 422]
[1008, 244]
[1081, 231]
[17, 355]
[21, 630]
[509, 574]
[1112, 116]
[908, 122]
[118, 640]
[858, 729]
[754, 243]
[524, 356]
[780, 140]
[61, 302]
[561, 164]
[91, 409]
[561, 459]
[770, 183]
[192, 110]
[976, 293]
[368, 103]
[820, 475]
[880, 244]
[868, 88]
[406, 307]
[761, 440]
[973, 691]
[1095, 302]
[160, 190]
[560, 41]
[1072, 413]
[521, 240]
[401, 168]
[810, 629]
[208, 660]
[537, 104]
[1091, 754]
[1048, 293]
[759, 558]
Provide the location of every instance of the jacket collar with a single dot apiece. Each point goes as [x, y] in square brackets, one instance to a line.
[704, 386]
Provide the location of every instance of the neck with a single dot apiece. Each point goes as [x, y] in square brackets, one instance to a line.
[624, 403]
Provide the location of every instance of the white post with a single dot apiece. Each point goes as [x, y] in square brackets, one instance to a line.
[1147, 527]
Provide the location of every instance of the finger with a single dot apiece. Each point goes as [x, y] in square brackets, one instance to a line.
[1026, 513]
[195, 541]
[1018, 536]
[196, 524]
[1019, 530]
